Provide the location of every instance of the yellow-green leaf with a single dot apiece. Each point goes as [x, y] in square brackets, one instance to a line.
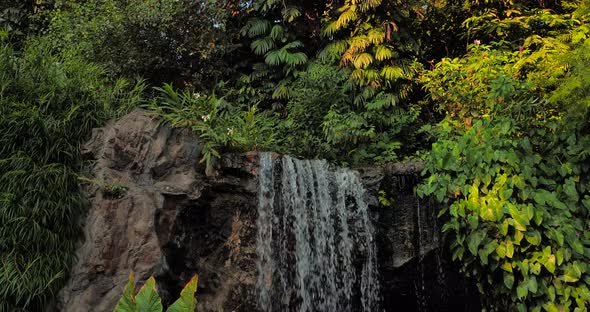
[508, 280]
[187, 301]
[147, 298]
[383, 53]
[363, 60]
[127, 301]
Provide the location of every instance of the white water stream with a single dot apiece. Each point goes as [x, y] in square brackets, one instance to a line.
[315, 240]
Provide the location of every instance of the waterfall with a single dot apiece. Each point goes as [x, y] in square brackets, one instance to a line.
[315, 245]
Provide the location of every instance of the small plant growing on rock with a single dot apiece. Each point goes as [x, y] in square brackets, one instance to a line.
[111, 190]
[115, 190]
[384, 199]
[148, 300]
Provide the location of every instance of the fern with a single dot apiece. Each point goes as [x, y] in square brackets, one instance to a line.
[262, 45]
[277, 32]
[293, 45]
[333, 51]
[383, 53]
[376, 36]
[363, 60]
[392, 73]
[257, 27]
[290, 13]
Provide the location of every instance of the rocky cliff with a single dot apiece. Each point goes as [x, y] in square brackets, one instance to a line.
[154, 212]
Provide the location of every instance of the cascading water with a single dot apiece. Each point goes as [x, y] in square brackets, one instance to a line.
[315, 245]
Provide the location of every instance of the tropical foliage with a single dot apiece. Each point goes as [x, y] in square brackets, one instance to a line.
[148, 300]
[49, 103]
[219, 123]
[511, 163]
[492, 94]
[162, 41]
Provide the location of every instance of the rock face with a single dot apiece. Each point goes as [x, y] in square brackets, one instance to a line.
[154, 212]
[416, 273]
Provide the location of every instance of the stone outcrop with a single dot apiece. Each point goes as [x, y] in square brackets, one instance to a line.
[153, 211]
[416, 273]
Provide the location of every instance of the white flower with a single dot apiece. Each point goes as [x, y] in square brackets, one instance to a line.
[196, 95]
[476, 42]
[206, 117]
[230, 131]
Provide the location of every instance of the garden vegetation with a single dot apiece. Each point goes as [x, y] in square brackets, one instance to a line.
[493, 95]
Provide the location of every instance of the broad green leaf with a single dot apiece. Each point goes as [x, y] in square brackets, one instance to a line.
[518, 182]
[509, 249]
[506, 266]
[522, 291]
[523, 266]
[533, 237]
[528, 212]
[127, 301]
[458, 253]
[187, 301]
[508, 280]
[571, 274]
[551, 293]
[535, 268]
[538, 218]
[517, 215]
[501, 250]
[550, 264]
[532, 284]
[506, 194]
[558, 236]
[576, 245]
[487, 250]
[559, 255]
[147, 298]
[473, 221]
[504, 228]
[570, 190]
[518, 237]
[551, 307]
[473, 241]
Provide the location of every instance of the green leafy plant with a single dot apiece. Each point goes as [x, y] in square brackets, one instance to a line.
[324, 120]
[518, 208]
[219, 124]
[148, 300]
[511, 167]
[49, 103]
[115, 190]
[384, 199]
[168, 40]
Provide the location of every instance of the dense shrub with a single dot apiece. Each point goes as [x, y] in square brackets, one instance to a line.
[222, 122]
[512, 165]
[180, 41]
[49, 102]
[323, 119]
